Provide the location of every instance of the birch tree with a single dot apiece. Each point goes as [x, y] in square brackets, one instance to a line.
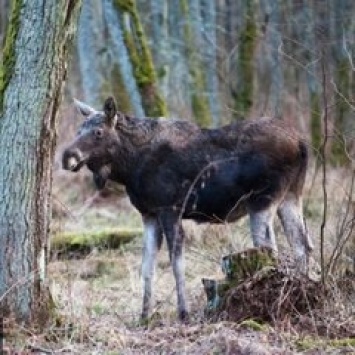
[35, 55]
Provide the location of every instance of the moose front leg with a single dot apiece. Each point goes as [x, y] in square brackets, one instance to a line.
[175, 238]
[152, 243]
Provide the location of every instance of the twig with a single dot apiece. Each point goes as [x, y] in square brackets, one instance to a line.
[323, 153]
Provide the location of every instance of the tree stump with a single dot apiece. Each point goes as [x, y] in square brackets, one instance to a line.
[258, 286]
[237, 267]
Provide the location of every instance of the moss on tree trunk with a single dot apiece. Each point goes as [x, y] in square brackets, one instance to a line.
[141, 58]
[37, 47]
[7, 66]
[243, 95]
[199, 99]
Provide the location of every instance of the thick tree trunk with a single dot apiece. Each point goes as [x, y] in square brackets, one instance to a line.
[36, 55]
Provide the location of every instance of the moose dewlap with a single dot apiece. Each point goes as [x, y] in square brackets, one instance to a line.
[174, 170]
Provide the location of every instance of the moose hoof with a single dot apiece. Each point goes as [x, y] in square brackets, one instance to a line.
[184, 316]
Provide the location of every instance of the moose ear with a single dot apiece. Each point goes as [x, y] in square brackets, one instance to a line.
[110, 111]
[83, 109]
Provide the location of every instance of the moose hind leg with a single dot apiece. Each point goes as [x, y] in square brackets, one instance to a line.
[291, 216]
[175, 238]
[262, 229]
[151, 244]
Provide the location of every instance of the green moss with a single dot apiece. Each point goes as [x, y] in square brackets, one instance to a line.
[141, 58]
[308, 343]
[125, 5]
[253, 325]
[86, 240]
[243, 97]
[242, 265]
[199, 101]
[9, 55]
[201, 110]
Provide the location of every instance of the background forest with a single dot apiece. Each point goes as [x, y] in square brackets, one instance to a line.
[212, 62]
[216, 61]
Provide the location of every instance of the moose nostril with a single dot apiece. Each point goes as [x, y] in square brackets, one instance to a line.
[71, 159]
[98, 132]
[72, 163]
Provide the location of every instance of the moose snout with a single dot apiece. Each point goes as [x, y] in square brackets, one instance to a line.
[72, 159]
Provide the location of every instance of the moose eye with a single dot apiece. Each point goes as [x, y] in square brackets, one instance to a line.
[98, 132]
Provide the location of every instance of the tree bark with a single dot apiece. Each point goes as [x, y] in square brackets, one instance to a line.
[192, 34]
[38, 45]
[129, 88]
[91, 45]
[141, 58]
[209, 51]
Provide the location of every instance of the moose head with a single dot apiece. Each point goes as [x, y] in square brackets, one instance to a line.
[95, 142]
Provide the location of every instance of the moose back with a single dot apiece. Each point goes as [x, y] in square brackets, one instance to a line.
[174, 170]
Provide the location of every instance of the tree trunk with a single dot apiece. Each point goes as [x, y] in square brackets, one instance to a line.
[192, 33]
[244, 89]
[36, 53]
[91, 45]
[209, 51]
[4, 4]
[127, 94]
[141, 59]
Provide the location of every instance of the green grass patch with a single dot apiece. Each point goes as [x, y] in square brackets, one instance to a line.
[85, 241]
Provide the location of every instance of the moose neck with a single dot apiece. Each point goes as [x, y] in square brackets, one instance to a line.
[136, 137]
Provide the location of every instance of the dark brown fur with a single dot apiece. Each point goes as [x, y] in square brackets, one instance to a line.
[174, 170]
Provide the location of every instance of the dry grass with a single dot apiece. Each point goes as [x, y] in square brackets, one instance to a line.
[99, 297]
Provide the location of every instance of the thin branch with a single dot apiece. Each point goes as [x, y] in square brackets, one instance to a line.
[323, 152]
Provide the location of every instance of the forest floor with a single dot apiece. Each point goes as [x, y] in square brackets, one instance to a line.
[98, 297]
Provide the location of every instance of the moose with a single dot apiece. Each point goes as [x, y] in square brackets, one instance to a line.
[174, 170]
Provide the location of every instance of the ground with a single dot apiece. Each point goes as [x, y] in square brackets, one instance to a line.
[98, 296]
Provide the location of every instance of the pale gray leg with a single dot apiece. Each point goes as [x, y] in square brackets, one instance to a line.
[291, 215]
[262, 229]
[152, 241]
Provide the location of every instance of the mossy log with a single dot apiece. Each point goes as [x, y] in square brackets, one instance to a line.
[76, 244]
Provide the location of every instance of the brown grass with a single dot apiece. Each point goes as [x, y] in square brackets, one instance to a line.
[98, 298]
